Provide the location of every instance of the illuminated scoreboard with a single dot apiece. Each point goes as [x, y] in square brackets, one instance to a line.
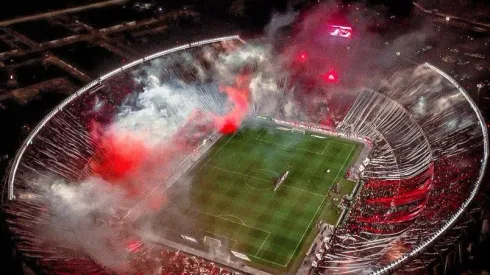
[342, 31]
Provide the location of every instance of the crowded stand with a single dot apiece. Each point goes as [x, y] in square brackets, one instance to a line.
[84, 122]
[402, 207]
[425, 159]
[178, 262]
[401, 141]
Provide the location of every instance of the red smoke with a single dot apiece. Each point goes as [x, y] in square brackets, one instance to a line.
[238, 96]
[331, 76]
[303, 56]
[119, 156]
[123, 159]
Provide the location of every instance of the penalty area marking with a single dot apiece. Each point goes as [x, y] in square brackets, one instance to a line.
[227, 215]
[235, 241]
[314, 216]
[255, 256]
[218, 217]
[260, 248]
[210, 158]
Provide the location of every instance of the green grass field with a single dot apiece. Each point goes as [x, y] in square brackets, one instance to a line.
[232, 197]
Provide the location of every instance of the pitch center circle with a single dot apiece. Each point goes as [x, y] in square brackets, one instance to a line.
[261, 179]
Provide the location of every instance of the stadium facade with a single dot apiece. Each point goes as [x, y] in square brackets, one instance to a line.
[428, 156]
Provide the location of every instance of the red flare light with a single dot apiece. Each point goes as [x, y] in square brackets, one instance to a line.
[227, 126]
[330, 77]
[303, 56]
[238, 97]
[134, 245]
[121, 155]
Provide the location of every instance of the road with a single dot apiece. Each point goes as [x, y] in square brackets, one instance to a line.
[61, 12]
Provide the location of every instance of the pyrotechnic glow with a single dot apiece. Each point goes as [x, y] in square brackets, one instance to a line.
[134, 245]
[238, 96]
[330, 76]
[121, 155]
[152, 134]
[303, 56]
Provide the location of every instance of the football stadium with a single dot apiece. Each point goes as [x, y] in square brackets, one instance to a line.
[209, 158]
[289, 190]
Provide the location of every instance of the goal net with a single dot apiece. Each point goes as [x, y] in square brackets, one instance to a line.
[213, 242]
[298, 130]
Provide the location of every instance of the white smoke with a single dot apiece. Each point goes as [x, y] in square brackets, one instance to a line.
[159, 112]
[81, 211]
[279, 20]
[77, 219]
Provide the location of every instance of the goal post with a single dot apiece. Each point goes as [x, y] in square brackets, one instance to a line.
[213, 242]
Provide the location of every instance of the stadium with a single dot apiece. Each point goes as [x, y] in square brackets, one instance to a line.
[207, 158]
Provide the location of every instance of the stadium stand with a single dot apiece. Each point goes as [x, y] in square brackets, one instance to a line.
[426, 159]
[425, 164]
[401, 149]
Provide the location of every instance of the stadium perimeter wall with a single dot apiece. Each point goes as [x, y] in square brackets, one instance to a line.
[94, 85]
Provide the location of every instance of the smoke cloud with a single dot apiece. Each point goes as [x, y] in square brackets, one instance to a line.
[198, 94]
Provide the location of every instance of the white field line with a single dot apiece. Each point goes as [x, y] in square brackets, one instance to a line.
[218, 151]
[233, 221]
[245, 175]
[316, 213]
[309, 192]
[306, 230]
[285, 148]
[223, 238]
[260, 248]
[328, 144]
[268, 233]
[233, 216]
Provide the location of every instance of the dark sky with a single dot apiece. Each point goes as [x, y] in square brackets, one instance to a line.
[18, 8]
[259, 8]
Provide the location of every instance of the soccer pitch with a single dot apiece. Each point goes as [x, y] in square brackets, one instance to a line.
[233, 199]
